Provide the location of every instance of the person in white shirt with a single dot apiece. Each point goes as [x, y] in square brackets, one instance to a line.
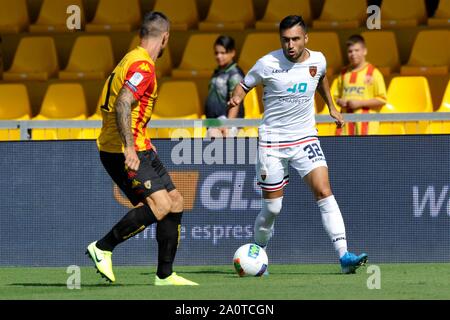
[288, 134]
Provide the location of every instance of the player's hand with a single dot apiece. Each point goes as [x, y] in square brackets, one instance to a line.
[338, 117]
[131, 159]
[234, 102]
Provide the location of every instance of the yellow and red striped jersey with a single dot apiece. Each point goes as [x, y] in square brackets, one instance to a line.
[367, 83]
[135, 72]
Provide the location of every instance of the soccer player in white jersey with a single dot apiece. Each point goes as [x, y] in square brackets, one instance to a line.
[288, 134]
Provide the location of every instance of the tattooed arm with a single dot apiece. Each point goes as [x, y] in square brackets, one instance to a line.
[123, 109]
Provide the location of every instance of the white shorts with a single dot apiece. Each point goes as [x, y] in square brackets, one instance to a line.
[272, 165]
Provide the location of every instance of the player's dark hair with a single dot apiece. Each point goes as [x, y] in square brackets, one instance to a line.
[226, 42]
[356, 38]
[153, 24]
[291, 21]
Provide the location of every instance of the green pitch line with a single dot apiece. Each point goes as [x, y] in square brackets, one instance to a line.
[398, 281]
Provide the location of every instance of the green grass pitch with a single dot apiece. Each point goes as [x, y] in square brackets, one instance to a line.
[298, 282]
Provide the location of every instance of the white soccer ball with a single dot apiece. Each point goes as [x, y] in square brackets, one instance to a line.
[250, 260]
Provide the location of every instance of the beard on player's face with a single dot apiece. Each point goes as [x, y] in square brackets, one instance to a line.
[161, 51]
[293, 42]
[165, 40]
[293, 53]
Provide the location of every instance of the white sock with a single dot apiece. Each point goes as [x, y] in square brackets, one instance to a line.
[265, 220]
[333, 223]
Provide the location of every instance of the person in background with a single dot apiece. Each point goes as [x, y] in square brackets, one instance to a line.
[360, 88]
[224, 80]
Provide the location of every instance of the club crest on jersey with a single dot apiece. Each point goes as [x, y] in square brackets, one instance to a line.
[313, 71]
[368, 80]
[263, 175]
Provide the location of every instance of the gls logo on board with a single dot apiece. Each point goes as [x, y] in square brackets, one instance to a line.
[223, 190]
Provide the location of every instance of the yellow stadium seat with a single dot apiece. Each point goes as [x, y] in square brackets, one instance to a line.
[252, 49]
[328, 44]
[183, 14]
[276, 10]
[116, 15]
[248, 132]
[390, 128]
[98, 111]
[163, 64]
[134, 43]
[172, 133]
[64, 101]
[430, 54]
[14, 102]
[53, 16]
[91, 58]
[35, 59]
[14, 105]
[402, 13]
[252, 111]
[441, 17]
[228, 15]
[409, 94]
[176, 100]
[252, 105]
[13, 16]
[341, 14]
[92, 133]
[441, 127]
[198, 57]
[382, 51]
[327, 129]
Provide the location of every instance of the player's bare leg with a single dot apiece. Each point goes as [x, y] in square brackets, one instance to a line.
[160, 203]
[332, 220]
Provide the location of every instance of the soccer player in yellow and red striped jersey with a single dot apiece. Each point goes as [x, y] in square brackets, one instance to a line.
[360, 88]
[128, 156]
[135, 73]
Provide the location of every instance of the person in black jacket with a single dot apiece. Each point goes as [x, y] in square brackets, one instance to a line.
[225, 78]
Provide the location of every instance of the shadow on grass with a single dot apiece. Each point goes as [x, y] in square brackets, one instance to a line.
[180, 272]
[63, 285]
[308, 273]
[232, 273]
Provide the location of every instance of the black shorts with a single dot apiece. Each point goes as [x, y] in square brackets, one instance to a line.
[137, 185]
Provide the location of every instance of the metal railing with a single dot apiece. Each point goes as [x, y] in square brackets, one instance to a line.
[26, 126]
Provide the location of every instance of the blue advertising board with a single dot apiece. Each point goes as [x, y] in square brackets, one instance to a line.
[393, 191]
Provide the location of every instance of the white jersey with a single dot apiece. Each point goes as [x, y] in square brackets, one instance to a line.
[288, 95]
